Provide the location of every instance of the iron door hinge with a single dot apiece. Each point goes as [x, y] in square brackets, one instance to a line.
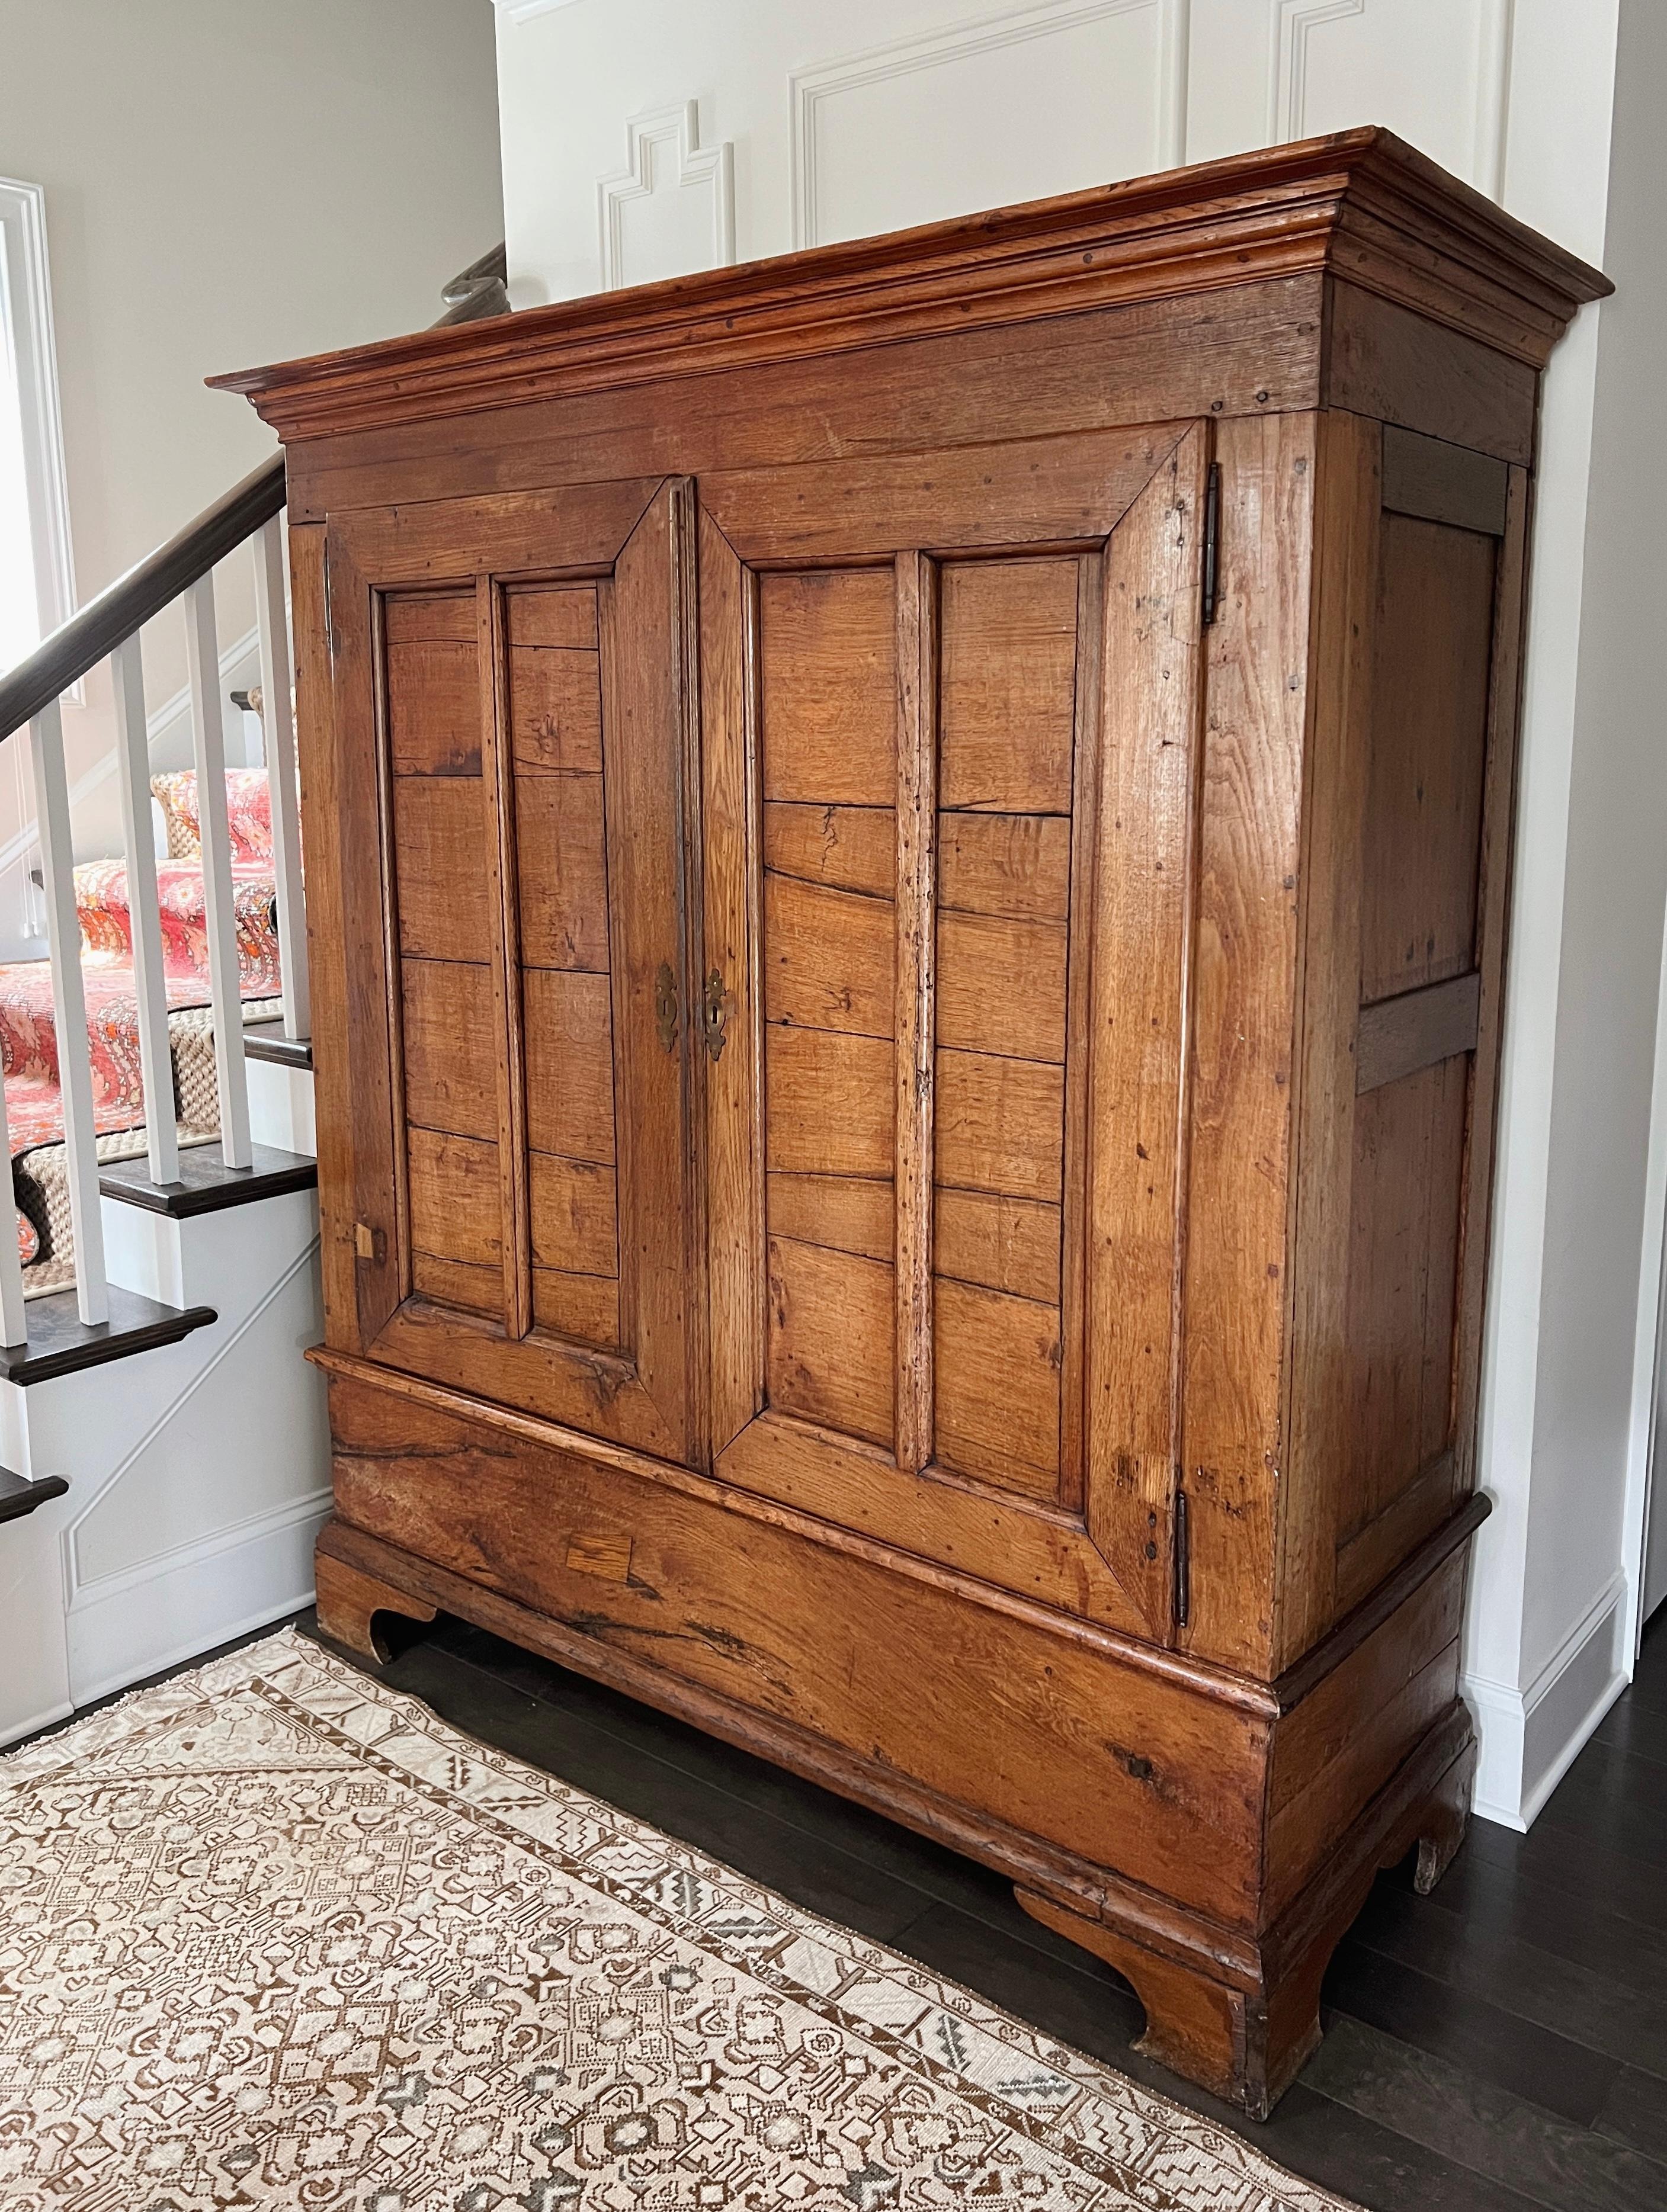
[1182, 1560]
[1212, 541]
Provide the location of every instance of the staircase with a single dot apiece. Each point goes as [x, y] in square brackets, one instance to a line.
[163, 1452]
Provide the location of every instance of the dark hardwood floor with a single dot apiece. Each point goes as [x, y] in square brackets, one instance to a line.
[1497, 2046]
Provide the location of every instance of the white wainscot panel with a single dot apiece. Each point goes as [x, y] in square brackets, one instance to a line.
[1011, 106]
[1433, 71]
[671, 208]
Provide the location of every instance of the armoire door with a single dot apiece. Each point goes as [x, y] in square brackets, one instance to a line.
[951, 711]
[517, 669]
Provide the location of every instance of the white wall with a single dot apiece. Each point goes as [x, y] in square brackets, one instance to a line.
[227, 182]
[842, 116]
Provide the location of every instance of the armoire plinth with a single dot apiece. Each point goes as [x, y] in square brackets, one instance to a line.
[907, 865]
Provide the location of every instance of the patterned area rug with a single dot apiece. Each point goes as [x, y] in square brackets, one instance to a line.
[271, 1935]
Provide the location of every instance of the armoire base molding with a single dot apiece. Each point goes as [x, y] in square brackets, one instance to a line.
[1235, 2010]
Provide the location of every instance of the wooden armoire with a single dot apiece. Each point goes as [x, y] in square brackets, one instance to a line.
[907, 865]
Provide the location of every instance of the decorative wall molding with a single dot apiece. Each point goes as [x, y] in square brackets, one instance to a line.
[709, 169]
[1291, 24]
[522, 11]
[25, 329]
[1528, 1739]
[811, 89]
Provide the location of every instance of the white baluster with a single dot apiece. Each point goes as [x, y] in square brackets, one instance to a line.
[74, 1066]
[277, 724]
[139, 844]
[14, 1329]
[225, 981]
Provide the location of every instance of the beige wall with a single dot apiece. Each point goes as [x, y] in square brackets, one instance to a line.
[227, 181]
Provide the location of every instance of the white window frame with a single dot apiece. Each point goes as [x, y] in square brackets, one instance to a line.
[26, 328]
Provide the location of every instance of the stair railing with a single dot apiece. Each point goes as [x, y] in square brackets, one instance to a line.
[108, 626]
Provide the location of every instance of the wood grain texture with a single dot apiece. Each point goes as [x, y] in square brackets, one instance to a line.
[1005, 1244]
[1002, 986]
[1000, 1125]
[555, 710]
[502, 886]
[568, 1021]
[1061, 490]
[573, 1215]
[850, 848]
[1256, 680]
[1144, 893]
[1443, 482]
[1347, 526]
[829, 1104]
[915, 1346]
[558, 615]
[1429, 738]
[1255, 351]
[848, 1213]
[1398, 1037]
[562, 870]
[832, 1337]
[440, 829]
[1017, 865]
[450, 1041]
[1009, 669]
[333, 968]
[829, 959]
[827, 675]
[434, 707]
[734, 1078]
[997, 1388]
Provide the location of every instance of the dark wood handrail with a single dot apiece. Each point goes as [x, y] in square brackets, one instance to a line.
[99, 627]
[96, 630]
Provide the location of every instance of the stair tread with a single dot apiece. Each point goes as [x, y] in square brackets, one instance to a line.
[61, 1343]
[205, 1184]
[19, 1496]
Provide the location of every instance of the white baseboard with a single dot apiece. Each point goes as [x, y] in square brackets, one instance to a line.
[126, 1626]
[1528, 1739]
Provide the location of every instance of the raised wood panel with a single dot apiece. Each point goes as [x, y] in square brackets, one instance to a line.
[560, 854]
[827, 651]
[1009, 685]
[434, 709]
[848, 1213]
[1404, 1282]
[1001, 1125]
[1002, 986]
[1004, 864]
[559, 615]
[439, 831]
[998, 1383]
[574, 1219]
[828, 959]
[1004, 1244]
[458, 1283]
[849, 848]
[455, 1202]
[828, 1107]
[585, 1307]
[450, 1041]
[567, 1026]
[1429, 735]
[830, 1339]
[555, 710]
[428, 618]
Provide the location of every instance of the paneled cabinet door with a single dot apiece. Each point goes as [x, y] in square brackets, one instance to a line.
[513, 676]
[951, 736]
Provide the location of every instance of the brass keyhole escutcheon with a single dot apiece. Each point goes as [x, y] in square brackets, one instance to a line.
[715, 1011]
[665, 1006]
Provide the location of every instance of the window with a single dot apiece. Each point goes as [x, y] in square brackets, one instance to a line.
[37, 580]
